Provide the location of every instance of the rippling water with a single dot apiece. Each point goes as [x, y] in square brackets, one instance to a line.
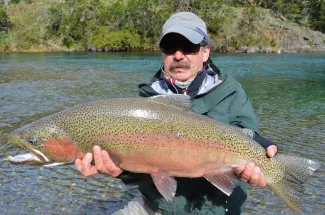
[287, 91]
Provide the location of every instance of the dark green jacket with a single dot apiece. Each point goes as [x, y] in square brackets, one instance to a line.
[225, 102]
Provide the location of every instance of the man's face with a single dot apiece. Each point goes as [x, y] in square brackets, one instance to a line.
[182, 59]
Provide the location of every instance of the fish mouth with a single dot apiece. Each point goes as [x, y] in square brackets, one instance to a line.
[35, 157]
[28, 158]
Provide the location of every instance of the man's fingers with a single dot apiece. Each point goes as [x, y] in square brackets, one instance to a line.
[86, 167]
[262, 182]
[247, 173]
[255, 177]
[106, 158]
[271, 151]
[103, 164]
[86, 161]
[238, 170]
[110, 166]
[77, 165]
[98, 158]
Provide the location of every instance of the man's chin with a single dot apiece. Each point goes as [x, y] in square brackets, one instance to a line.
[180, 75]
[181, 78]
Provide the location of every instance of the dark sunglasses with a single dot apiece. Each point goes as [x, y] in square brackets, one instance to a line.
[186, 47]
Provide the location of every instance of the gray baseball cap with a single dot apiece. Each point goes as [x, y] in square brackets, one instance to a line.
[187, 24]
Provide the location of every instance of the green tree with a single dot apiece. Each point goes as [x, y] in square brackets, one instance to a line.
[143, 18]
[250, 35]
[5, 23]
[14, 1]
[316, 11]
[73, 20]
[5, 26]
[123, 40]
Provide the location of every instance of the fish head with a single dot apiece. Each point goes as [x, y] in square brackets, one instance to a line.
[46, 142]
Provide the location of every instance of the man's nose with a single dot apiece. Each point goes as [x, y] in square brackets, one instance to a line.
[178, 55]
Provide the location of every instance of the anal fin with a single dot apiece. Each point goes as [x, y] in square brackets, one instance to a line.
[225, 180]
[165, 184]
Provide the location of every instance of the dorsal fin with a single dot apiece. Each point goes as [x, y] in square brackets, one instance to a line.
[174, 100]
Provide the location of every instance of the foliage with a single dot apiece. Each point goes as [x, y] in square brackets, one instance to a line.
[292, 11]
[14, 1]
[28, 25]
[73, 21]
[142, 17]
[123, 25]
[4, 41]
[317, 14]
[298, 10]
[5, 23]
[122, 40]
[249, 32]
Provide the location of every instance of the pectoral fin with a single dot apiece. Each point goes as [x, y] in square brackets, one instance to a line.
[225, 180]
[165, 184]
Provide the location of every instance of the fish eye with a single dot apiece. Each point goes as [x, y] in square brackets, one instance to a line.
[32, 140]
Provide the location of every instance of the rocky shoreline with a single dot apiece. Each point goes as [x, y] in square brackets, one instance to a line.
[289, 37]
[293, 40]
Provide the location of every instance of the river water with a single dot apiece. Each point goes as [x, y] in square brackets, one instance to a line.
[287, 92]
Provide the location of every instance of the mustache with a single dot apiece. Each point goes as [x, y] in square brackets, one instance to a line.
[179, 64]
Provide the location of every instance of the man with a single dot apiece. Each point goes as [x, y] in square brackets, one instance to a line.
[187, 69]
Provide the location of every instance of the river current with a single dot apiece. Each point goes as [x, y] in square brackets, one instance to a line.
[286, 90]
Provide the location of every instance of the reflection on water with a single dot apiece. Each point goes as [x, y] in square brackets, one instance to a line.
[287, 91]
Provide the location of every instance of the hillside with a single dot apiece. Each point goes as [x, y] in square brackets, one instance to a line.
[95, 25]
[290, 37]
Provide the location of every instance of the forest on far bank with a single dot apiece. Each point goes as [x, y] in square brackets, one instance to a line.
[126, 25]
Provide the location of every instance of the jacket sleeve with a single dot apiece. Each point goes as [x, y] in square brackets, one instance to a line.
[131, 178]
[241, 112]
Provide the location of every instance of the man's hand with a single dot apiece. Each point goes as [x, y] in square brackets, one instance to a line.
[252, 174]
[103, 164]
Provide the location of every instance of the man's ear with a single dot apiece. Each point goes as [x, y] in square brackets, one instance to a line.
[206, 53]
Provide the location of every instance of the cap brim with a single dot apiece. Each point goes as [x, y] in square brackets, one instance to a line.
[192, 35]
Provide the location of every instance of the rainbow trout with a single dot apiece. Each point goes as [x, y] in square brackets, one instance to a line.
[163, 137]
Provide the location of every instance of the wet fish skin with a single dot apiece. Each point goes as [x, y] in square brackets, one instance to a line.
[163, 137]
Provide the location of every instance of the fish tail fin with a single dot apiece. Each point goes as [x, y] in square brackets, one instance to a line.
[296, 171]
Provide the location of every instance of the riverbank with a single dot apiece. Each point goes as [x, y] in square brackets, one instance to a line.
[56, 26]
[288, 39]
